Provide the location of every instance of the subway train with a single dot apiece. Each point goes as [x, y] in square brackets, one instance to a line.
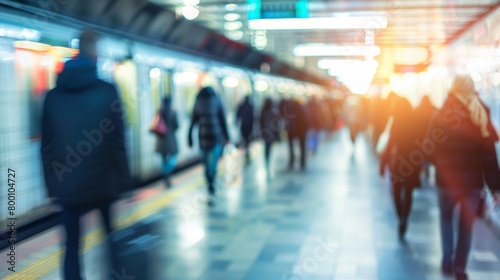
[31, 58]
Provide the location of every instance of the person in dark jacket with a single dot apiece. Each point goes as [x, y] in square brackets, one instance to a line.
[404, 168]
[83, 147]
[380, 117]
[352, 111]
[244, 115]
[317, 123]
[461, 144]
[166, 145]
[208, 114]
[425, 111]
[296, 122]
[270, 127]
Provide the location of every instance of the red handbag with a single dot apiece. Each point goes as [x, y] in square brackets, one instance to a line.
[158, 125]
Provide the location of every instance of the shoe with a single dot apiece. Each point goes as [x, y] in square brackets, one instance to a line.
[402, 231]
[211, 200]
[447, 269]
[461, 275]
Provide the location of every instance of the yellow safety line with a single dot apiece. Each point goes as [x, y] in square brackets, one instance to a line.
[47, 265]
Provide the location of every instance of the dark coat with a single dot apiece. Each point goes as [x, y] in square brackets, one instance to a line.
[167, 144]
[425, 111]
[83, 143]
[316, 115]
[244, 114]
[463, 158]
[208, 114]
[296, 118]
[270, 124]
[404, 165]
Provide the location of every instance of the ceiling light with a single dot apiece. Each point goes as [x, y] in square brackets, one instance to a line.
[335, 50]
[231, 17]
[337, 63]
[409, 56]
[235, 35]
[190, 12]
[19, 33]
[371, 22]
[233, 25]
[230, 82]
[261, 85]
[155, 73]
[231, 7]
[185, 77]
[346, 63]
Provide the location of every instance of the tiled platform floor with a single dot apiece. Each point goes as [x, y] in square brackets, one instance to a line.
[333, 221]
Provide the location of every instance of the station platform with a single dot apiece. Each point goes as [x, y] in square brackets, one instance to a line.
[335, 220]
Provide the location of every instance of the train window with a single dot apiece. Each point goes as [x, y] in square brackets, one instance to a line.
[36, 67]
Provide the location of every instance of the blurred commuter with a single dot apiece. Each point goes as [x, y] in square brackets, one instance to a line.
[317, 123]
[166, 145]
[424, 111]
[380, 116]
[398, 155]
[335, 111]
[208, 114]
[244, 115]
[270, 126]
[83, 147]
[329, 124]
[353, 110]
[461, 144]
[296, 121]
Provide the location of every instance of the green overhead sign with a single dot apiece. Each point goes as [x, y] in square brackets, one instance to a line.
[260, 9]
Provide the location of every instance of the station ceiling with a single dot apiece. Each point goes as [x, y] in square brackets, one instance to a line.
[414, 31]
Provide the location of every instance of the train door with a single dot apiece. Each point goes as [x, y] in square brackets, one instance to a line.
[155, 85]
[126, 78]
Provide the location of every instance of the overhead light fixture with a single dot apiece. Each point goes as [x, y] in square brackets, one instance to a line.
[231, 17]
[259, 40]
[409, 55]
[335, 50]
[231, 7]
[358, 22]
[346, 63]
[190, 12]
[235, 35]
[233, 25]
[185, 77]
[155, 73]
[230, 82]
[19, 33]
[261, 85]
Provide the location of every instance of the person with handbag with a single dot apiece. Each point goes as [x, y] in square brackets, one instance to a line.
[460, 143]
[166, 144]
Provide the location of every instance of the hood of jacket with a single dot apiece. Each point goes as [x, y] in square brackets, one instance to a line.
[78, 73]
[206, 92]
